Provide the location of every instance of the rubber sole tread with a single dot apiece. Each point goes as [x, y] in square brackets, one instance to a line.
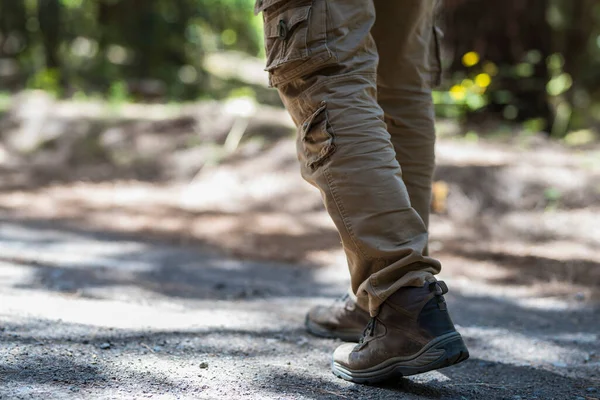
[455, 352]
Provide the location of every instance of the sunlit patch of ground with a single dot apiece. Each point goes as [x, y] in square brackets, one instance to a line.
[513, 216]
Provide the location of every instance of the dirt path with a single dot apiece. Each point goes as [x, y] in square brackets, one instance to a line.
[90, 310]
[90, 315]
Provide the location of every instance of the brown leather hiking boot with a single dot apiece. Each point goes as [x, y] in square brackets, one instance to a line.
[342, 320]
[412, 333]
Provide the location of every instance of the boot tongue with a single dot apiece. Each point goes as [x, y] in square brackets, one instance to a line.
[410, 299]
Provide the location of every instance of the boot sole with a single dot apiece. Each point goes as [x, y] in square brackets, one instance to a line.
[317, 330]
[441, 352]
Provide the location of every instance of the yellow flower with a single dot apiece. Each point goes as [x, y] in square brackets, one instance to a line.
[458, 92]
[483, 80]
[470, 59]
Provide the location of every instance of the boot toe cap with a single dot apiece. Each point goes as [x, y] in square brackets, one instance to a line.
[320, 315]
[341, 355]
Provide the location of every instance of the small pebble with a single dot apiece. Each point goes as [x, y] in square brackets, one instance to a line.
[591, 390]
[105, 346]
[203, 365]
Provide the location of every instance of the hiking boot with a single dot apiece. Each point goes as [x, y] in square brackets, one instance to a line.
[412, 334]
[341, 320]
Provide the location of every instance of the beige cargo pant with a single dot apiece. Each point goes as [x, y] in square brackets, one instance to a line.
[356, 77]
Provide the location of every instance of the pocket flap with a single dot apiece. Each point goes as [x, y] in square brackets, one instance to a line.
[262, 5]
[289, 19]
[309, 122]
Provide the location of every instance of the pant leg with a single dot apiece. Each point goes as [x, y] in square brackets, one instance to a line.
[323, 61]
[405, 36]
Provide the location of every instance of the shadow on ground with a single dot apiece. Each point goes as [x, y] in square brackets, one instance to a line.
[259, 364]
[106, 315]
[528, 269]
[73, 261]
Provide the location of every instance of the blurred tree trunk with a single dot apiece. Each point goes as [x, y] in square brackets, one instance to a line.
[184, 13]
[145, 38]
[103, 11]
[49, 16]
[573, 39]
[13, 19]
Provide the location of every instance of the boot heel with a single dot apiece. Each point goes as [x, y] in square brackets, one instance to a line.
[441, 353]
[455, 352]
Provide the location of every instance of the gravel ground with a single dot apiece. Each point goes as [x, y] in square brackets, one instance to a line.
[91, 315]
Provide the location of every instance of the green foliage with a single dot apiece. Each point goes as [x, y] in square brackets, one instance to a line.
[534, 125]
[48, 79]
[151, 48]
[118, 93]
[242, 92]
[5, 101]
[580, 138]
[543, 58]
[537, 65]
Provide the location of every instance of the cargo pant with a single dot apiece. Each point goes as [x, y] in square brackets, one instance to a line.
[359, 90]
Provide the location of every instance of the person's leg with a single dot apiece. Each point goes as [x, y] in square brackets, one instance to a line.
[408, 65]
[323, 61]
[413, 332]
[406, 40]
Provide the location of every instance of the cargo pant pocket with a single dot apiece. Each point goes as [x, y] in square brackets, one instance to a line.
[295, 38]
[436, 57]
[315, 142]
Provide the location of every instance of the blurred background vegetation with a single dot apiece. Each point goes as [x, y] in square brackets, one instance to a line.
[531, 62]
[135, 49]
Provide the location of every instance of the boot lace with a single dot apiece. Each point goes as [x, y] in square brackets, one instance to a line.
[369, 330]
